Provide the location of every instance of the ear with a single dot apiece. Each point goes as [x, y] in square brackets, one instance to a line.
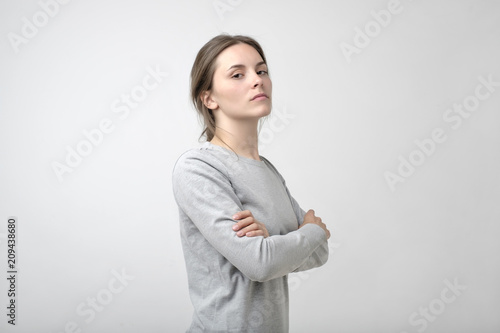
[206, 98]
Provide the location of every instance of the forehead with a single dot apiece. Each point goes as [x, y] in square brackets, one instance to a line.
[242, 53]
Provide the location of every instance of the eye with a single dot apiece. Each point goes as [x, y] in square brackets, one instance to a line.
[262, 72]
[237, 76]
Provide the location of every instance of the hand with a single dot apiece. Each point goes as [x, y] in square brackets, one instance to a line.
[249, 226]
[311, 218]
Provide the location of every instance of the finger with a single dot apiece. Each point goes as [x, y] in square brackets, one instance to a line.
[243, 223]
[242, 214]
[255, 233]
[251, 227]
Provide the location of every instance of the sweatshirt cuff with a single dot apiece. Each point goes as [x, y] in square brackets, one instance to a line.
[314, 234]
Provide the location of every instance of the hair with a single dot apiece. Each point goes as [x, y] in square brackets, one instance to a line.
[203, 71]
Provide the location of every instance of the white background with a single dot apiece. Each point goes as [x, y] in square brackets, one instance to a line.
[350, 120]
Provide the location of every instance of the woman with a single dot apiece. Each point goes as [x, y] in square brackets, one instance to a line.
[241, 230]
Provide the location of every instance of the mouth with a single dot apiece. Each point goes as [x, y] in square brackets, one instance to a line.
[259, 97]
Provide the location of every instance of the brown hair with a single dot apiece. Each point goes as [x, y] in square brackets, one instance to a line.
[203, 71]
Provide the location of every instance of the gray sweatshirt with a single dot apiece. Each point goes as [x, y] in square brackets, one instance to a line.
[240, 284]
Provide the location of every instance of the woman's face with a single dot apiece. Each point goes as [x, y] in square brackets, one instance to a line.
[241, 87]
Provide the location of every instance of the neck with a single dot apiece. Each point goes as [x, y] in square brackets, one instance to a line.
[241, 137]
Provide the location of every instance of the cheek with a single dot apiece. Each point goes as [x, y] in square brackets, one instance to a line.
[225, 94]
[268, 82]
[234, 94]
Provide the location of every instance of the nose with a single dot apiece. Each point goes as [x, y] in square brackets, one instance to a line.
[257, 81]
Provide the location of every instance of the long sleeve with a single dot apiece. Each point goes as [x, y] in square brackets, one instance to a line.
[320, 256]
[204, 192]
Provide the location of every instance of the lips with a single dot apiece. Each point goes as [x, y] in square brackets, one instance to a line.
[261, 96]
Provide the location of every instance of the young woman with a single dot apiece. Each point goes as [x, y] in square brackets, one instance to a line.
[241, 230]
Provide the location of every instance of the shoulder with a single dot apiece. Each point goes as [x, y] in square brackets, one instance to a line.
[199, 159]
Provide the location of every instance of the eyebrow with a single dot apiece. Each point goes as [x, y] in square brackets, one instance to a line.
[240, 66]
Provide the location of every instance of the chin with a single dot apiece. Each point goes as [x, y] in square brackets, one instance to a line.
[265, 110]
[259, 112]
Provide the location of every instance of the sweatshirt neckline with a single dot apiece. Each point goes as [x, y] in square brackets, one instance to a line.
[208, 144]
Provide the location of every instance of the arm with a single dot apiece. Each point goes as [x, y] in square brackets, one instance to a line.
[203, 191]
[320, 256]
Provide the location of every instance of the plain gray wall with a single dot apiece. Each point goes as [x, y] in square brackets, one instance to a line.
[385, 121]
